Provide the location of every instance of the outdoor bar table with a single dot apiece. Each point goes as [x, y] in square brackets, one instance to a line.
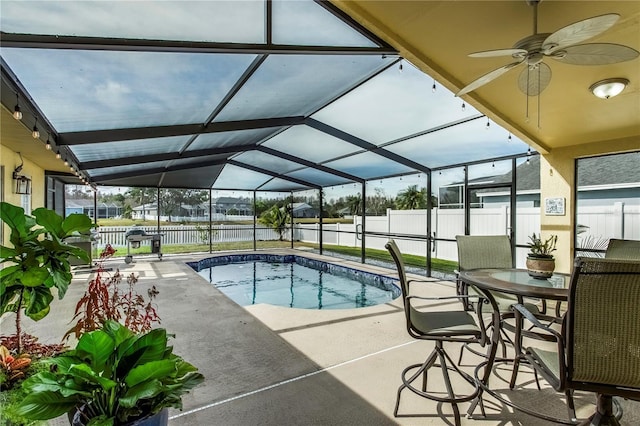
[517, 282]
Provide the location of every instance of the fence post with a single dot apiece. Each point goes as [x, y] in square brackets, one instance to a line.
[618, 220]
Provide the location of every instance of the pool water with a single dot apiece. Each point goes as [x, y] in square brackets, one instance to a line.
[294, 285]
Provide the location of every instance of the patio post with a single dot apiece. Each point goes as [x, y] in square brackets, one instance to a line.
[320, 219]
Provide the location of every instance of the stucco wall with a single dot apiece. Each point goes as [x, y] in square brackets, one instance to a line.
[10, 160]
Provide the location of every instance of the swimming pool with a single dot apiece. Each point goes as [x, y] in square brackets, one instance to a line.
[294, 281]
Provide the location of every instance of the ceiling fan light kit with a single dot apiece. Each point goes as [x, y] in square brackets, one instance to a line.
[605, 89]
[561, 45]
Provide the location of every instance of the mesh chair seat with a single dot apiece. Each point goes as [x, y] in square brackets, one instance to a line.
[444, 324]
[548, 364]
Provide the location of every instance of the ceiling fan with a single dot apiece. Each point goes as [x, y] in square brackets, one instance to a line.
[561, 46]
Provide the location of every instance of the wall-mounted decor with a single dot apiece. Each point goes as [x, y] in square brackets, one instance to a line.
[554, 206]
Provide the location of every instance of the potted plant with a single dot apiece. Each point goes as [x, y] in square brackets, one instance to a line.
[540, 261]
[112, 377]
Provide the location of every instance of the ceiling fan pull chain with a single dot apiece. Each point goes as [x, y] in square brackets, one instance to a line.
[539, 96]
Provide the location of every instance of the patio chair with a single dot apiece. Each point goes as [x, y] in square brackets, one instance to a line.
[623, 249]
[482, 252]
[440, 327]
[598, 348]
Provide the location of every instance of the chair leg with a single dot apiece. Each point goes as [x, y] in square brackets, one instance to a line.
[440, 358]
[571, 407]
[604, 412]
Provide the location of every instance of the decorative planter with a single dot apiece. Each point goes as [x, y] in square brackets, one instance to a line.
[159, 419]
[541, 268]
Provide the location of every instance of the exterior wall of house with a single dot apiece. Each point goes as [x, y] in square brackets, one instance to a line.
[557, 179]
[9, 160]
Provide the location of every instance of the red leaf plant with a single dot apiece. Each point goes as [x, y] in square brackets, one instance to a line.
[105, 299]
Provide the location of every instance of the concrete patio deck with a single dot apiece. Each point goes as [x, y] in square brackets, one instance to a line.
[268, 365]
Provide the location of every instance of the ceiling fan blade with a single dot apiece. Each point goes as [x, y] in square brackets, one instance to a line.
[595, 54]
[578, 32]
[516, 53]
[534, 79]
[487, 78]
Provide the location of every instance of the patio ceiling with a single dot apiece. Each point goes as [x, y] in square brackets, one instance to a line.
[251, 95]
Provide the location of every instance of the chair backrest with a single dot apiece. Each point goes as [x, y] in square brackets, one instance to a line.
[603, 327]
[394, 251]
[484, 251]
[623, 249]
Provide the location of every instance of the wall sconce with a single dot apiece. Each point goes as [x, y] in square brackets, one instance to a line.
[22, 184]
[608, 88]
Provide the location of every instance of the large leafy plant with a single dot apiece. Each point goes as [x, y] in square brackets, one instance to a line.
[113, 375]
[38, 260]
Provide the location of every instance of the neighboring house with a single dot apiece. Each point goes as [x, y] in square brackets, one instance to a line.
[304, 210]
[145, 211]
[105, 210]
[238, 206]
[601, 182]
[222, 205]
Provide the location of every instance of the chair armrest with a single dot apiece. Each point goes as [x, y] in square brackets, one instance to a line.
[477, 297]
[536, 322]
[418, 281]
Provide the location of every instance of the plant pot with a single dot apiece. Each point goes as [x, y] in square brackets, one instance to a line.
[159, 419]
[540, 267]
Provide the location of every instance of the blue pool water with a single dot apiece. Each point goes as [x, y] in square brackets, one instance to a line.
[294, 281]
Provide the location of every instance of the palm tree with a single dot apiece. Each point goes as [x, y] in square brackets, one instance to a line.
[412, 198]
[354, 202]
[276, 219]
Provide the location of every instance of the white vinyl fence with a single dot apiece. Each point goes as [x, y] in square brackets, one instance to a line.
[603, 222]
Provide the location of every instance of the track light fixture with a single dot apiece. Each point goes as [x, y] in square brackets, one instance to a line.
[17, 114]
[35, 133]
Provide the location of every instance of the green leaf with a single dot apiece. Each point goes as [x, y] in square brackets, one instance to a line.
[76, 222]
[7, 253]
[8, 299]
[34, 276]
[38, 302]
[142, 391]
[148, 347]
[14, 217]
[85, 372]
[8, 270]
[50, 220]
[41, 382]
[151, 370]
[61, 280]
[98, 345]
[45, 405]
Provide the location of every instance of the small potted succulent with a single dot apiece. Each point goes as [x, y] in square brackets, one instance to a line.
[540, 261]
[112, 377]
